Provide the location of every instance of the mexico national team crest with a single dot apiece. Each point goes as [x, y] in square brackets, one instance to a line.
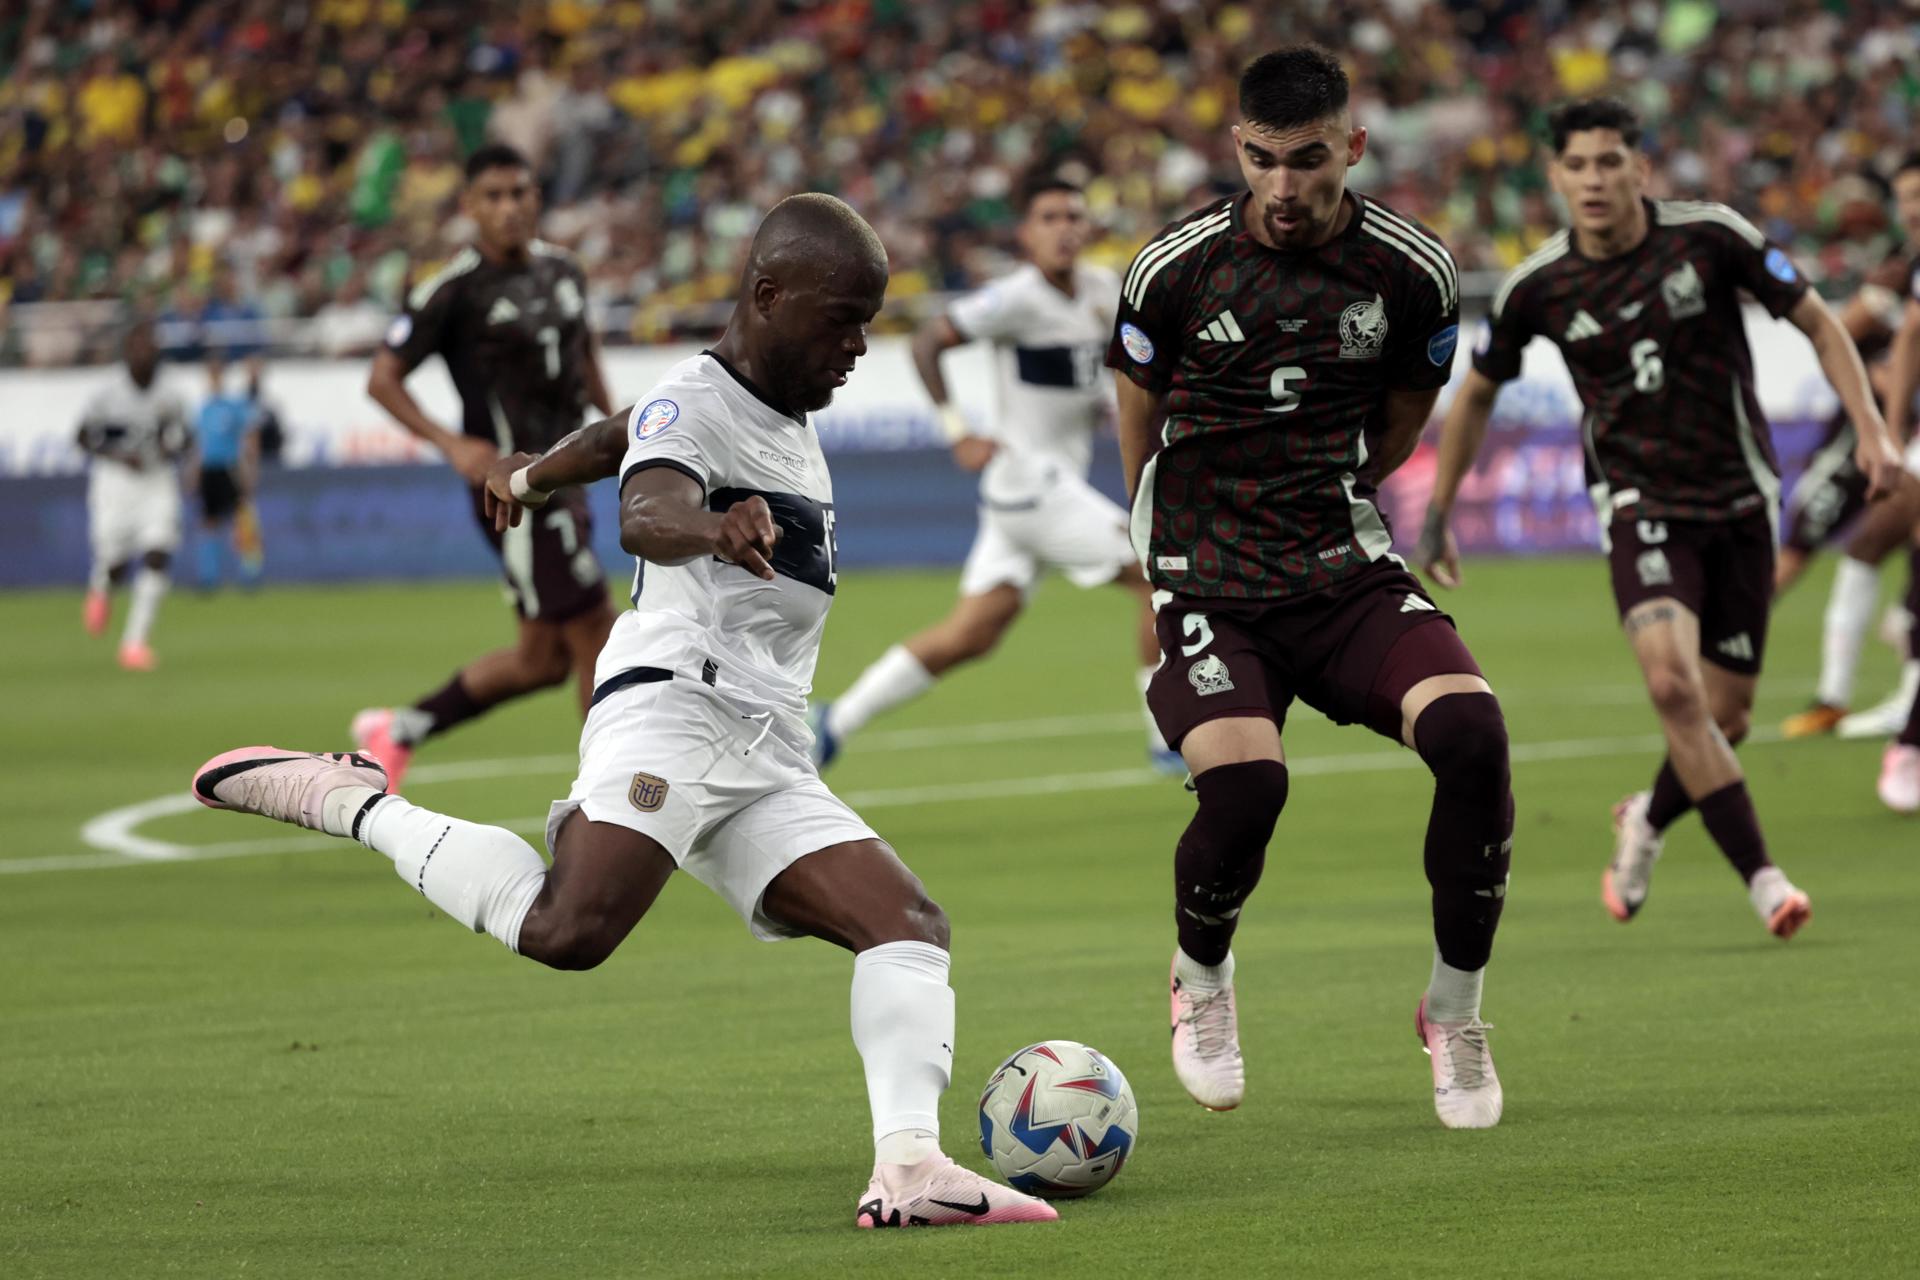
[1209, 675]
[1684, 294]
[648, 793]
[1363, 329]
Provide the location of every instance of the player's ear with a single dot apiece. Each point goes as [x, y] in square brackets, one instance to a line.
[765, 294]
[1356, 144]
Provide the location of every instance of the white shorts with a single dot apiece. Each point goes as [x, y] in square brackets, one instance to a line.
[1911, 458]
[131, 513]
[1072, 527]
[733, 805]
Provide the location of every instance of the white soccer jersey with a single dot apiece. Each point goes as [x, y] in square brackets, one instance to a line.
[1050, 381]
[753, 640]
[147, 426]
[133, 499]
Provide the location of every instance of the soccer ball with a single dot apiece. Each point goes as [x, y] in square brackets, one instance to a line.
[1058, 1120]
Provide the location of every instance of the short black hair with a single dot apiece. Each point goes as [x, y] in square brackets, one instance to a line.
[1045, 185]
[1291, 86]
[495, 155]
[1593, 113]
[1908, 163]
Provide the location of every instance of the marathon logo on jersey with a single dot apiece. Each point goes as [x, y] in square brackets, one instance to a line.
[1138, 346]
[1780, 266]
[1363, 330]
[647, 793]
[1440, 346]
[503, 312]
[399, 331]
[652, 418]
[1654, 569]
[1684, 293]
[1209, 676]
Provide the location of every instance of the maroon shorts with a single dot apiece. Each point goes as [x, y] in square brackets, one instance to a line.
[1720, 569]
[1338, 650]
[548, 562]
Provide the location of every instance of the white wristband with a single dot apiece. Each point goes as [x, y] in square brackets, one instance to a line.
[523, 492]
[953, 424]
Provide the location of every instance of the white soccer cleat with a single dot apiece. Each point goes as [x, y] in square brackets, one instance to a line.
[1780, 906]
[1206, 1044]
[287, 786]
[1899, 785]
[1887, 718]
[1466, 1088]
[1636, 847]
[939, 1193]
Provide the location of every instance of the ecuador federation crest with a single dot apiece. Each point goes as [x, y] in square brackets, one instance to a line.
[648, 793]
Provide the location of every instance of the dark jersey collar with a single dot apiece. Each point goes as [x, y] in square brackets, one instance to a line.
[752, 390]
[1653, 225]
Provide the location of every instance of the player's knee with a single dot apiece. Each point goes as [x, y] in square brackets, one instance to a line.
[567, 940]
[544, 665]
[1676, 695]
[1735, 724]
[1240, 803]
[929, 922]
[912, 917]
[1463, 739]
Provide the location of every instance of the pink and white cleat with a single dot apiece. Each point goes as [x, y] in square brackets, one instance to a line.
[1900, 778]
[1783, 908]
[1636, 847]
[287, 786]
[1206, 1043]
[138, 657]
[1466, 1089]
[939, 1193]
[373, 735]
[95, 613]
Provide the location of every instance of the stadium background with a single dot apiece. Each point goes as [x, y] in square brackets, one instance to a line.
[268, 178]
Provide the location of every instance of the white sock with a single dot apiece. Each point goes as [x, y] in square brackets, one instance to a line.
[484, 877]
[894, 679]
[410, 726]
[1453, 995]
[903, 1028]
[99, 578]
[1156, 741]
[1764, 891]
[1856, 589]
[149, 585]
[1202, 977]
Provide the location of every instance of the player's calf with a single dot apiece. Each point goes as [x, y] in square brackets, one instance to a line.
[1462, 737]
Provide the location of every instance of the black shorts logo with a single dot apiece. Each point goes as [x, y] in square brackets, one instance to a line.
[648, 793]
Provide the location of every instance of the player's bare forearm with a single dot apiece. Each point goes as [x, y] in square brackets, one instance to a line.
[387, 386]
[1461, 435]
[1903, 374]
[932, 338]
[589, 454]
[663, 519]
[1139, 416]
[1406, 414]
[1840, 361]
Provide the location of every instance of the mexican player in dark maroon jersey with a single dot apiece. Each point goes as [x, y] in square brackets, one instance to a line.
[1900, 767]
[1278, 353]
[1642, 297]
[508, 315]
[1872, 316]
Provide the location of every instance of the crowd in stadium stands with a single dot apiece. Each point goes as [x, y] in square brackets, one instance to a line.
[271, 158]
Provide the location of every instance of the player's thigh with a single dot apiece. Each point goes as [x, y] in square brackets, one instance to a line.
[1083, 533]
[1214, 696]
[1657, 573]
[604, 878]
[1738, 560]
[997, 559]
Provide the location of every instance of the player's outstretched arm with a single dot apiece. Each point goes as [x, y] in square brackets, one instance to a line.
[664, 519]
[523, 480]
[387, 385]
[1903, 374]
[1141, 414]
[1878, 460]
[1461, 436]
[938, 335]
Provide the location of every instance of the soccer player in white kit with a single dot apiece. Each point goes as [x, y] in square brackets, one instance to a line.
[136, 432]
[695, 751]
[1049, 323]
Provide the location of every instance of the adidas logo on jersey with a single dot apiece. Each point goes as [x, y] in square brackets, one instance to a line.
[1583, 326]
[1418, 604]
[1739, 647]
[1632, 310]
[1224, 329]
[503, 311]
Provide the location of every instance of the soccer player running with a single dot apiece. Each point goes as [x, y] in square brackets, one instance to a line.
[1279, 353]
[227, 452]
[1641, 297]
[1832, 492]
[1899, 784]
[135, 432]
[696, 751]
[508, 315]
[1049, 323]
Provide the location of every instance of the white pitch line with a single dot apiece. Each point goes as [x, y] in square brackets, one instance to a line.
[112, 833]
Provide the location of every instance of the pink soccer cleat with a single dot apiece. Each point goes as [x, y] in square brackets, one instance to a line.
[1206, 1044]
[373, 735]
[1466, 1089]
[137, 657]
[1900, 778]
[287, 786]
[95, 612]
[1783, 908]
[939, 1193]
[1636, 847]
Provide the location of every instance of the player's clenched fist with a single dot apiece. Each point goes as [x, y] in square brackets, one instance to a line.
[746, 537]
[502, 507]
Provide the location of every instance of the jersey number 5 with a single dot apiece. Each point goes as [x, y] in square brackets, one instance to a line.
[1285, 399]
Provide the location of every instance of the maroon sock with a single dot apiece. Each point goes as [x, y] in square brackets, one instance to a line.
[1462, 737]
[1668, 802]
[1735, 827]
[1220, 855]
[448, 706]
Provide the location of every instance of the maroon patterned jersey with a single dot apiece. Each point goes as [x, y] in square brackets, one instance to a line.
[1275, 366]
[1658, 352]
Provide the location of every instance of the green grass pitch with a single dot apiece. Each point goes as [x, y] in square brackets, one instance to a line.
[283, 1062]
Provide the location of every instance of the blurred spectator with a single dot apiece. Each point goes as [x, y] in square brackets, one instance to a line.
[248, 159]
